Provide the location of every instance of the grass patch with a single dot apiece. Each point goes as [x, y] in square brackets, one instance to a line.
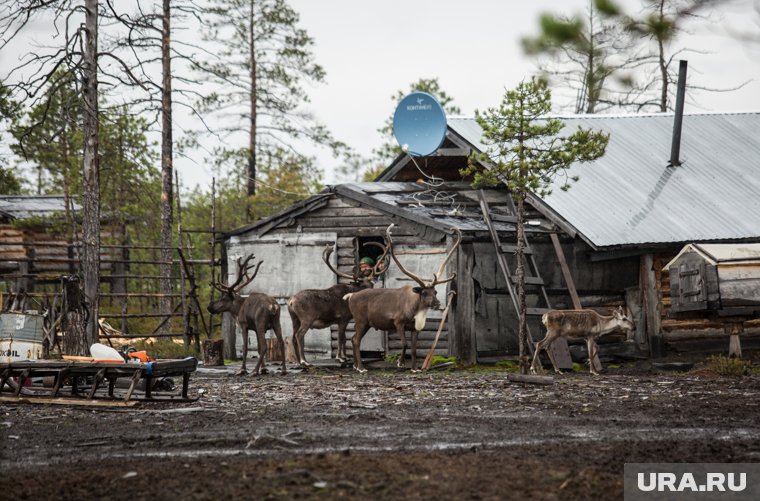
[392, 359]
[732, 367]
[437, 360]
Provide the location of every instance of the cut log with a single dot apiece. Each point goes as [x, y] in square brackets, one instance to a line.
[213, 352]
[526, 378]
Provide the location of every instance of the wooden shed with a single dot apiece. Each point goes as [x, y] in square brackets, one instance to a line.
[716, 278]
[608, 237]
[635, 209]
[482, 322]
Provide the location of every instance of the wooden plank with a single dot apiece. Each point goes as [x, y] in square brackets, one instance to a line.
[530, 280]
[536, 312]
[569, 282]
[512, 248]
[462, 337]
[67, 401]
[530, 379]
[650, 304]
[502, 218]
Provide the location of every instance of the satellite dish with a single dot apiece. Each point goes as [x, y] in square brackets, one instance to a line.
[419, 124]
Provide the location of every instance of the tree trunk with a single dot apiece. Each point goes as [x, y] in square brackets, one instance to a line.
[91, 175]
[252, 133]
[663, 66]
[165, 269]
[522, 332]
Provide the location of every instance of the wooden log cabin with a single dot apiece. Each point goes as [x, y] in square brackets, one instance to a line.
[628, 215]
[35, 250]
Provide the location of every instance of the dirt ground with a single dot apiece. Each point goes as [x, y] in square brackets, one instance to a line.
[388, 434]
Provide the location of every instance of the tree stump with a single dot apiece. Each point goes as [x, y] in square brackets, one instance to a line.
[213, 352]
[274, 353]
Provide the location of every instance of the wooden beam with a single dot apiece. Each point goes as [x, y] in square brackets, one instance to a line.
[67, 401]
[462, 337]
[451, 152]
[530, 379]
[566, 271]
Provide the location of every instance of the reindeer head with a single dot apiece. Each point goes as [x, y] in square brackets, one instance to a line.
[624, 322]
[232, 292]
[426, 288]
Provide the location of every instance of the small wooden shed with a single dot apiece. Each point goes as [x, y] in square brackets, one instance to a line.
[717, 278]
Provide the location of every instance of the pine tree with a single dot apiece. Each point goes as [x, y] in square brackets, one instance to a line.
[526, 151]
[263, 64]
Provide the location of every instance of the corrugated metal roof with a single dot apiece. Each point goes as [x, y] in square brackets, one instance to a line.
[24, 207]
[630, 196]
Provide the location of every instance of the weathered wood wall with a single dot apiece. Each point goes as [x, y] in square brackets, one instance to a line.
[285, 272]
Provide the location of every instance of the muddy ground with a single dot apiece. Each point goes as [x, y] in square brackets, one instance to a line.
[388, 434]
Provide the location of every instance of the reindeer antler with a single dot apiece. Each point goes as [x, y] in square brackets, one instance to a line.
[395, 259]
[446, 260]
[376, 269]
[441, 269]
[326, 258]
[243, 269]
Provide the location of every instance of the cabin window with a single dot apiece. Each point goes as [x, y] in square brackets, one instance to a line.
[362, 250]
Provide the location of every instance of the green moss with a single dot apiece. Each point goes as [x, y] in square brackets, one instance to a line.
[437, 360]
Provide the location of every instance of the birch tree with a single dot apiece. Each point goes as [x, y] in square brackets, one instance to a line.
[77, 51]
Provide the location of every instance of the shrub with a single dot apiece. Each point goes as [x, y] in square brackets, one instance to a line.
[725, 366]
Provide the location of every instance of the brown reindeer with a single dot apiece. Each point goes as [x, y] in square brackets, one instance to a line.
[320, 308]
[583, 324]
[258, 312]
[399, 309]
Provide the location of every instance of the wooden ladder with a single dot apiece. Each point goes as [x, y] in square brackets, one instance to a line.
[533, 281]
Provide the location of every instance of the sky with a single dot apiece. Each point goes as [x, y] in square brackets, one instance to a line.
[372, 50]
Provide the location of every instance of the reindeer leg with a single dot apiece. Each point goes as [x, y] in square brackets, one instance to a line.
[402, 359]
[534, 366]
[359, 331]
[545, 344]
[341, 355]
[298, 339]
[592, 351]
[244, 331]
[414, 351]
[551, 357]
[278, 334]
[262, 342]
[297, 343]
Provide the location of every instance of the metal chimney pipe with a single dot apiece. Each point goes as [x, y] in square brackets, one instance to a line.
[675, 148]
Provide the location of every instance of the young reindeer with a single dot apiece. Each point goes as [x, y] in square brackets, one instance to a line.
[320, 308]
[399, 309]
[258, 312]
[584, 324]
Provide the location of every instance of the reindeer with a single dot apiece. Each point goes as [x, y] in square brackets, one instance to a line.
[320, 308]
[258, 312]
[584, 324]
[399, 309]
